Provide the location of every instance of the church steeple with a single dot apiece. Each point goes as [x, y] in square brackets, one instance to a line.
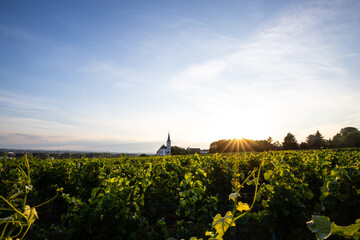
[165, 150]
[168, 145]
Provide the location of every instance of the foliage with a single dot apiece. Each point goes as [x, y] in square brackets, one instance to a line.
[347, 137]
[290, 142]
[175, 150]
[183, 196]
[19, 215]
[241, 145]
[194, 204]
[240, 209]
[323, 228]
[315, 141]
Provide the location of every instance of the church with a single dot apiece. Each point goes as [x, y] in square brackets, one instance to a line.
[165, 150]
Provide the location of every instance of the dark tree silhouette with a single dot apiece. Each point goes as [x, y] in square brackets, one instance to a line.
[315, 141]
[290, 142]
[241, 145]
[303, 145]
[347, 137]
[175, 150]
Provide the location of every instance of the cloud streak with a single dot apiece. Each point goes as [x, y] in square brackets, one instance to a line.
[291, 47]
[45, 142]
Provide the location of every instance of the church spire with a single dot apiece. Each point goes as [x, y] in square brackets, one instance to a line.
[169, 137]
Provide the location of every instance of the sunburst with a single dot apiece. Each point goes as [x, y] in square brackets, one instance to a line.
[238, 145]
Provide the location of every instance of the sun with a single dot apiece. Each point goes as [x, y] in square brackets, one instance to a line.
[238, 145]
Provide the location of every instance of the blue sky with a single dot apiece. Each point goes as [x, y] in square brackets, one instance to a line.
[118, 75]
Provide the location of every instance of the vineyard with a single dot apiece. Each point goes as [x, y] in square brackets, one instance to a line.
[270, 195]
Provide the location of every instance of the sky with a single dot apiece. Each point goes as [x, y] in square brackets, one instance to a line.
[119, 76]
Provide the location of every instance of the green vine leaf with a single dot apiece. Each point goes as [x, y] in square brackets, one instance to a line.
[268, 174]
[221, 224]
[242, 207]
[208, 233]
[352, 230]
[321, 226]
[234, 196]
[269, 187]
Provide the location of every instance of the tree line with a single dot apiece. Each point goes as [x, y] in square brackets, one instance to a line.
[175, 150]
[347, 137]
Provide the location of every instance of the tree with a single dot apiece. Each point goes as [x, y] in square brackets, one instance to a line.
[277, 144]
[263, 145]
[242, 145]
[315, 141]
[347, 130]
[175, 150]
[218, 146]
[290, 142]
[303, 145]
[347, 137]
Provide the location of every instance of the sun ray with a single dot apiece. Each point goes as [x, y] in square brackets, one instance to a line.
[238, 145]
[233, 144]
[227, 145]
[248, 145]
[242, 144]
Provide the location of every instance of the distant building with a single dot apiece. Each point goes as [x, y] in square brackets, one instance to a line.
[204, 151]
[11, 155]
[165, 151]
[197, 150]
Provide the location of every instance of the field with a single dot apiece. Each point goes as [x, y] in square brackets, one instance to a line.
[270, 195]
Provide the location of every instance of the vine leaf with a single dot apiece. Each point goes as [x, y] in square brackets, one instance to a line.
[321, 226]
[352, 230]
[209, 233]
[242, 207]
[233, 196]
[221, 224]
[268, 174]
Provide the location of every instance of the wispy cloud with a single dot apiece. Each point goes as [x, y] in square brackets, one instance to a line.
[186, 22]
[199, 76]
[107, 72]
[34, 120]
[13, 100]
[288, 71]
[46, 142]
[16, 106]
[291, 47]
